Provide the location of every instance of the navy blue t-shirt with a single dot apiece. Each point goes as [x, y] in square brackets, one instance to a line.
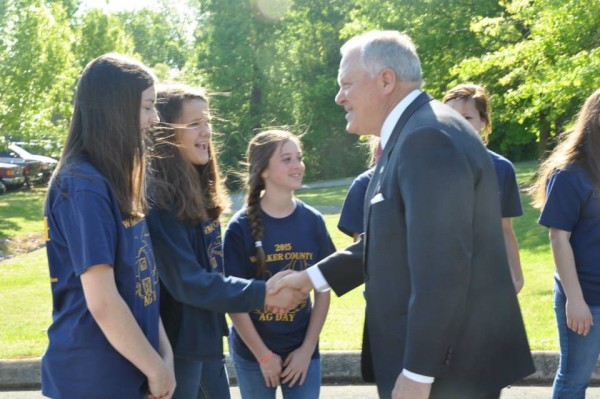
[352, 215]
[572, 204]
[214, 245]
[86, 228]
[510, 199]
[293, 242]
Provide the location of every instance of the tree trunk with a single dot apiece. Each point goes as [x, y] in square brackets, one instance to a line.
[544, 135]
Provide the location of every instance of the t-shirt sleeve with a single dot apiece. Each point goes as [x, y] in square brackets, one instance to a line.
[87, 223]
[326, 245]
[511, 198]
[563, 202]
[235, 256]
[351, 218]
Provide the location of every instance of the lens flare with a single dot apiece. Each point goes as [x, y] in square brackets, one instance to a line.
[270, 10]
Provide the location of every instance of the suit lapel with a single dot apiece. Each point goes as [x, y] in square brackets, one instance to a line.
[381, 168]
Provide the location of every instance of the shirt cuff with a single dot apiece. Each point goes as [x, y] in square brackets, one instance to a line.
[317, 279]
[418, 377]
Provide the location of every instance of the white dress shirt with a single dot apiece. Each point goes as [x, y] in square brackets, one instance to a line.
[315, 275]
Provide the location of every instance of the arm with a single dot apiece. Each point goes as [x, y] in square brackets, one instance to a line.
[187, 280]
[122, 331]
[512, 252]
[296, 364]
[341, 271]
[164, 348]
[271, 368]
[579, 317]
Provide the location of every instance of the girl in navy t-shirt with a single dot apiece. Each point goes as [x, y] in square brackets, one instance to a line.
[568, 192]
[275, 232]
[187, 199]
[473, 103]
[106, 339]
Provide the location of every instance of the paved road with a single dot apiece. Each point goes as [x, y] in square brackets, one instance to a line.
[363, 392]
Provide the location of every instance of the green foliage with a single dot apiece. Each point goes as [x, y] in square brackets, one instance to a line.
[99, 33]
[540, 74]
[36, 73]
[160, 36]
[278, 73]
[538, 58]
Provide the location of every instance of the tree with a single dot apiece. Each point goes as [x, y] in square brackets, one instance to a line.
[541, 72]
[439, 28]
[100, 33]
[161, 36]
[278, 72]
[37, 72]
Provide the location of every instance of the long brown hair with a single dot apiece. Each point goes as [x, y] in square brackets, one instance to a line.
[194, 192]
[260, 151]
[481, 99]
[105, 127]
[581, 145]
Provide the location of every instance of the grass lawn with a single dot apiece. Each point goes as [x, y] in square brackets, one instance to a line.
[25, 305]
[25, 301]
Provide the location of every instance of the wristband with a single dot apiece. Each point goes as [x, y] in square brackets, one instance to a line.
[266, 358]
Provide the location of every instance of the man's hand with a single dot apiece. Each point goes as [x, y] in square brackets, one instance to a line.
[283, 299]
[406, 388]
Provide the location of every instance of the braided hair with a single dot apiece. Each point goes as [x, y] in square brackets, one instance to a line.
[260, 151]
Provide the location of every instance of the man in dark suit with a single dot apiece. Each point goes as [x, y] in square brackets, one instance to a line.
[442, 313]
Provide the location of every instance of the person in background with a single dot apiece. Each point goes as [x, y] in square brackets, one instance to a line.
[352, 215]
[106, 339]
[275, 232]
[187, 199]
[567, 190]
[473, 103]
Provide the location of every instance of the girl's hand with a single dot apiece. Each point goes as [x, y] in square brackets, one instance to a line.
[271, 371]
[161, 384]
[579, 317]
[296, 366]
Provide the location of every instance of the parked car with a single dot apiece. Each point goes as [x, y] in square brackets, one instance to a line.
[12, 175]
[32, 168]
[48, 163]
[2, 188]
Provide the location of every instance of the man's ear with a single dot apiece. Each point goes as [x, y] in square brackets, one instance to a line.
[388, 80]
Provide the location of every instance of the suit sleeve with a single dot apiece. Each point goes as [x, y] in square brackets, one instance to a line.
[438, 190]
[190, 282]
[343, 270]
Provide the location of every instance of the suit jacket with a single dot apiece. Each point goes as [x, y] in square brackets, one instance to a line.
[440, 299]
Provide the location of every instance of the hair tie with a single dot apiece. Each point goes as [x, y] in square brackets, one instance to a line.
[258, 244]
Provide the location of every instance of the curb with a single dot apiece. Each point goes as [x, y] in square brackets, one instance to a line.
[338, 367]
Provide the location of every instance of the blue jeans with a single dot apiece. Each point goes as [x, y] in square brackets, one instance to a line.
[578, 353]
[198, 379]
[252, 384]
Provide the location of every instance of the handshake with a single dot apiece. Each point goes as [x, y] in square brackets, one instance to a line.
[286, 290]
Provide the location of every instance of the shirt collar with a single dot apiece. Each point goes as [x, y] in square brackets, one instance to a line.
[394, 116]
